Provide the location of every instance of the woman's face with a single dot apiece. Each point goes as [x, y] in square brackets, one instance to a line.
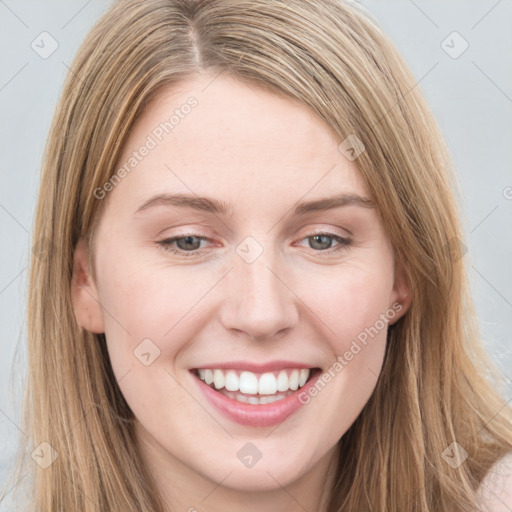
[240, 246]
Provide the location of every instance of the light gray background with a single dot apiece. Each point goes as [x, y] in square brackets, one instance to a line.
[471, 97]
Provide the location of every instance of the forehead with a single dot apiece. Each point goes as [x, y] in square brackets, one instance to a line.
[214, 135]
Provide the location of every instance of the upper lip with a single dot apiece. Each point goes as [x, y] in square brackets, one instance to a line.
[270, 366]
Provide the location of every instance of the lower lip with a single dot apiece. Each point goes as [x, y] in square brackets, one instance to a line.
[263, 415]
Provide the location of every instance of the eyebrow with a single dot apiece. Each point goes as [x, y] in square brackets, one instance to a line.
[218, 207]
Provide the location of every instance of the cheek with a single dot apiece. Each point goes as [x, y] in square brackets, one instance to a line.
[142, 302]
[355, 308]
[351, 301]
[150, 316]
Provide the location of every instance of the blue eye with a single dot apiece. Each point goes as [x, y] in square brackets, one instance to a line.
[189, 245]
[321, 237]
[183, 243]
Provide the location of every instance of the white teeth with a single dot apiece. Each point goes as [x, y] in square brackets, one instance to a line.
[303, 377]
[294, 380]
[271, 399]
[231, 383]
[248, 383]
[218, 379]
[208, 376]
[282, 381]
[256, 399]
[266, 384]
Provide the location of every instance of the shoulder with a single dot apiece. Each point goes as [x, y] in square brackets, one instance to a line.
[495, 491]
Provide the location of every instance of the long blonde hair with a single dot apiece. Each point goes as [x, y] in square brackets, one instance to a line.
[435, 387]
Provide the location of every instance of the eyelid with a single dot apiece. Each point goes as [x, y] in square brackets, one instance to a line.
[192, 230]
[343, 243]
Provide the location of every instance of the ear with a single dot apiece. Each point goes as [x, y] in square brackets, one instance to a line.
[401, 296]
[86, 303]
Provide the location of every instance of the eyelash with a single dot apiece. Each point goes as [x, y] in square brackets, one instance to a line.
[344, 243]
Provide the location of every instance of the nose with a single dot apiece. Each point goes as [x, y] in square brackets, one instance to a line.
[259, 302]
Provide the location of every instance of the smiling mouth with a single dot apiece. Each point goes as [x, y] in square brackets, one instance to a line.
[255, 388]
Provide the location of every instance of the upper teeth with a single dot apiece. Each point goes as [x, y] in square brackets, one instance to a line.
[253, 383]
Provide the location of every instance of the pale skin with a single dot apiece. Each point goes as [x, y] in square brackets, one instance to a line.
[299, 300]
